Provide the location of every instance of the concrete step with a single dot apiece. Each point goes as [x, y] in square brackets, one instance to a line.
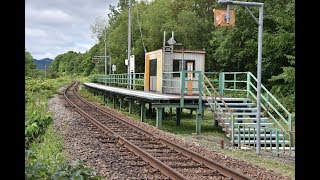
[287, 148]
[251, 124]
[237, 104]
[231, 99]
[246, 130]
[262, 136]
[262, 119]
[239, 113]
[232, 104]
[267, 142]
[241, 109]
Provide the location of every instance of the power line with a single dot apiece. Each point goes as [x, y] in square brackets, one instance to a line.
[139, 23]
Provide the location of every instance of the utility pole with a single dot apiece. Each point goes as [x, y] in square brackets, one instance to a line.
[105, 62]
[260, 29]
[110, 64]
[105, 51]
[129, 44]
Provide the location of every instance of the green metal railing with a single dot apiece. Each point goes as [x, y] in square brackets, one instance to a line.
[213, 78]
[282, 139]
[170, 80]
[231, 84]
[121, 80]
[210, 94]
[198, 90]
[269, 104]
[243, 84]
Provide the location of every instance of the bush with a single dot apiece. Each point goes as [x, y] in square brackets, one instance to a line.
[36, 124]
[66, 170]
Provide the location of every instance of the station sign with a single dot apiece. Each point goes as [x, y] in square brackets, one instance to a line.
[220, 18]
[132, 63]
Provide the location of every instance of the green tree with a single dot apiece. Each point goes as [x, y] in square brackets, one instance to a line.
[227, 49]
[66, 63]
[30, 66]
[284, 86]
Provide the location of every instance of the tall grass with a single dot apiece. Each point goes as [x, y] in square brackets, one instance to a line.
[44, 157]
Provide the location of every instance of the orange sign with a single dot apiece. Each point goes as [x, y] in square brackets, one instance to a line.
[189, 77]
[220, 18]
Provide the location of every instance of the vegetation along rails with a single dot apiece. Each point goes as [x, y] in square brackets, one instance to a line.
[172, 160]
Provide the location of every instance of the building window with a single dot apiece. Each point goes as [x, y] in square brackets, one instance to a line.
[177, 66]
[153, 67]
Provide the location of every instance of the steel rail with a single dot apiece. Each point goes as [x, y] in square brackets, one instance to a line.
[154, 162]
[225, 171]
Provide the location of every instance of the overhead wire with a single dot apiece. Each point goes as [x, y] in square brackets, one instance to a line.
[139, 23]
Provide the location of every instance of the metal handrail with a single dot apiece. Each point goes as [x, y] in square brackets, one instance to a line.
[199, 89]
[287, 147]
[269, 104]
[120, 80]
[230, 119]
[269, 101]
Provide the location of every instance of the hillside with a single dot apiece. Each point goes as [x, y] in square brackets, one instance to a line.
[42, 63]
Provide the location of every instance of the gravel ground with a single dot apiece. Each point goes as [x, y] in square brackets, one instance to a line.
[85, 146]
[82, 143]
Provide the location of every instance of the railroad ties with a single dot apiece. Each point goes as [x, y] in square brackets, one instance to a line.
[172, 160]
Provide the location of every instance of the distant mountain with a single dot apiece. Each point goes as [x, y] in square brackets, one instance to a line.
[42, 63]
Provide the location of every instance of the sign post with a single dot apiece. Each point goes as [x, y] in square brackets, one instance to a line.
[260, 26]
[131, 69]
[114, 68]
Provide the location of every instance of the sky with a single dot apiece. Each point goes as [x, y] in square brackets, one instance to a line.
[54, 27]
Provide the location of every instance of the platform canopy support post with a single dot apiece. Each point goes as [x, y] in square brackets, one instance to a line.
[107, 99]
[259, 21]
[150, 108]
[198, 122]
[129, 44]
[114, 101]
[143, 111]
[221, 83]
[130, 106]
[159, 117]
[215, 121]
[178, 116]
[121, 102]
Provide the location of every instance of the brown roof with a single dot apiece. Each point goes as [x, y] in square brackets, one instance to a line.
[191, 51]
[185, 51]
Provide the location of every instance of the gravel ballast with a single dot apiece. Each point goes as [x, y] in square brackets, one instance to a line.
[82, 145]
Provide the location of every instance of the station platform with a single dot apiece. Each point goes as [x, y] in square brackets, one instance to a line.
[150, 96]
[147, 95]
[156, 101]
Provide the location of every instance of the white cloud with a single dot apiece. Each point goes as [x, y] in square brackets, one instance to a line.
[58, 26]
[35, 33]
[48, 16]
[83, 46]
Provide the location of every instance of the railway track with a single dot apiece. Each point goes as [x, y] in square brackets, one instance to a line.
[173, 161]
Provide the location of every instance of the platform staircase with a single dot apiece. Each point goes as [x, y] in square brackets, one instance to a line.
[236, 111]
[237, 116]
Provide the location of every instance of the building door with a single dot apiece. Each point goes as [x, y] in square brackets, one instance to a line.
[153, 75]
[189, 77]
